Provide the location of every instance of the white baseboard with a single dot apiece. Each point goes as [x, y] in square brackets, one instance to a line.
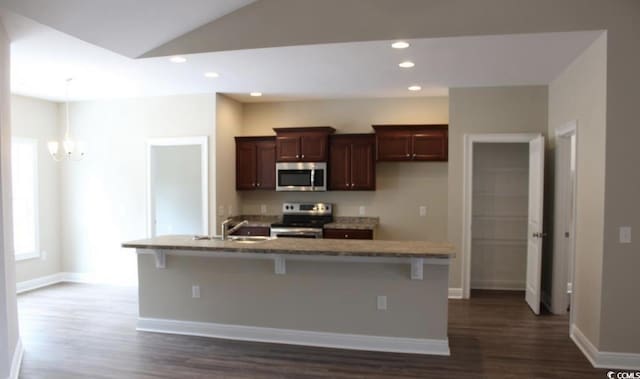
[16, 362]
[505, 285]
[45, 281]
[296, 337]
[604, 359]
[455, 293]
[68, 277]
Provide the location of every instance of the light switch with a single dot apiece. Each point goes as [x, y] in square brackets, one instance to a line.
[382, 303]
[195, 291]
[263, 209]
[423, 211]
[625, 234]
[362, 210]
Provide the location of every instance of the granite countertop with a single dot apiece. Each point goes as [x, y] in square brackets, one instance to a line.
[364, 223]
[303, 246]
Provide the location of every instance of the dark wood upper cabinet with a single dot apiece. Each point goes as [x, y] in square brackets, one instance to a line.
[308, 144]
[352, 162]
[412, 142]
[255, 163]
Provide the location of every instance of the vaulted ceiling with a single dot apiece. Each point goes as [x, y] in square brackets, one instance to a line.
[287, 49]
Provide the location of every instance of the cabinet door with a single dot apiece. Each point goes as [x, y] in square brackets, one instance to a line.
[363, 166]
[245, 165]
[313, 147]
[266, 165]
[430, 146]
[348, 234]
[339, 164]
[288, 148]
[393, 146]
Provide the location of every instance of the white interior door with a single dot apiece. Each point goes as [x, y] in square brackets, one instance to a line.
[535, 234]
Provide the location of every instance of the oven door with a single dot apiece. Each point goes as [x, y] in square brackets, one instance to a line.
[296, 232]
[301, 176]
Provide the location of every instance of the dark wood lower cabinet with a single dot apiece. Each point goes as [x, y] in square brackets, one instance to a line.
[253, 231]
[348, 234]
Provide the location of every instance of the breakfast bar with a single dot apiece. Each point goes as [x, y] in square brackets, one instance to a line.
[353, 294]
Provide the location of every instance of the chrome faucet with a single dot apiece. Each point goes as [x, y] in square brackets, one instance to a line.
[225, 232]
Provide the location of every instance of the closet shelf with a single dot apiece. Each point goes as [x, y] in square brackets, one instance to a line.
[499, 242]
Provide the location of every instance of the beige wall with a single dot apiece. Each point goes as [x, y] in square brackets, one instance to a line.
[485, 110]
[377, 20]
[38, 119]
[228, 125]
[104, 197]
[579, 94]
[401, 186]
[317, 296]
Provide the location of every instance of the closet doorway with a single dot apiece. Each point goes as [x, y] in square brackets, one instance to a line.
[502, 237]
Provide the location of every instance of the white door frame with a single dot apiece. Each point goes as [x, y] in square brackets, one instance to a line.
[204, 165]
[467, 184]
[561, 273]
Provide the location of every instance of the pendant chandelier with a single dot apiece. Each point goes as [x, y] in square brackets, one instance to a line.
[71, 150]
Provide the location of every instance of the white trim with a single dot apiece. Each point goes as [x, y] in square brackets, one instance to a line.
[455, 293]
[467, 192]
[16, 362]
[45, 281]
[296, 337]
[68, 277]
[203, 142]
[604, 359]
[26, 256]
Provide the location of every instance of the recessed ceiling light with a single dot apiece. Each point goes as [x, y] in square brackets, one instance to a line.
[400, 45]
[415, 88]
[256, 94]
[178, 59]
[406, 64]
[211, 74]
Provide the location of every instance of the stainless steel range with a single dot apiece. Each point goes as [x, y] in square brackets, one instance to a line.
[303, 220]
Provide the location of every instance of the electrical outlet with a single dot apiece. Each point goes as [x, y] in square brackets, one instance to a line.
[263, 209]
[625, 234]
[362, 210]
[230, 210]
[423, 211]
[43, 255]
[382, 303]
[195, 291]
[221, 210]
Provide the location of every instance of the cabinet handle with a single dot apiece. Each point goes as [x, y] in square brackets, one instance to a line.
[297, 155]
[346, 236]
[253, 184]
[408, 155]
[414, 155]
[258, 184]
[302, 155]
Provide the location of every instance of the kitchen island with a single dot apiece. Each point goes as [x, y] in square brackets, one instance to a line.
[368, 295]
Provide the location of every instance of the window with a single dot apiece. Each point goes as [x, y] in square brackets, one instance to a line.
[24, 165]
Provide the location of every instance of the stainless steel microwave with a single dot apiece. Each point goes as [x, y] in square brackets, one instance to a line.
[301, 176]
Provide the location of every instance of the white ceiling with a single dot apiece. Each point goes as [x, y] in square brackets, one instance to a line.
[128, 27]
[42, 58]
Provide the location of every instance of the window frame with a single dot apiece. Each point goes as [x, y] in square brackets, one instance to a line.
[36, 194]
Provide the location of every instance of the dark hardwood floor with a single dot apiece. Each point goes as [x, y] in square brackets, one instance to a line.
[88, 331]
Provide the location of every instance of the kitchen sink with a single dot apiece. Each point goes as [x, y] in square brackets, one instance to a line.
[248, 239]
